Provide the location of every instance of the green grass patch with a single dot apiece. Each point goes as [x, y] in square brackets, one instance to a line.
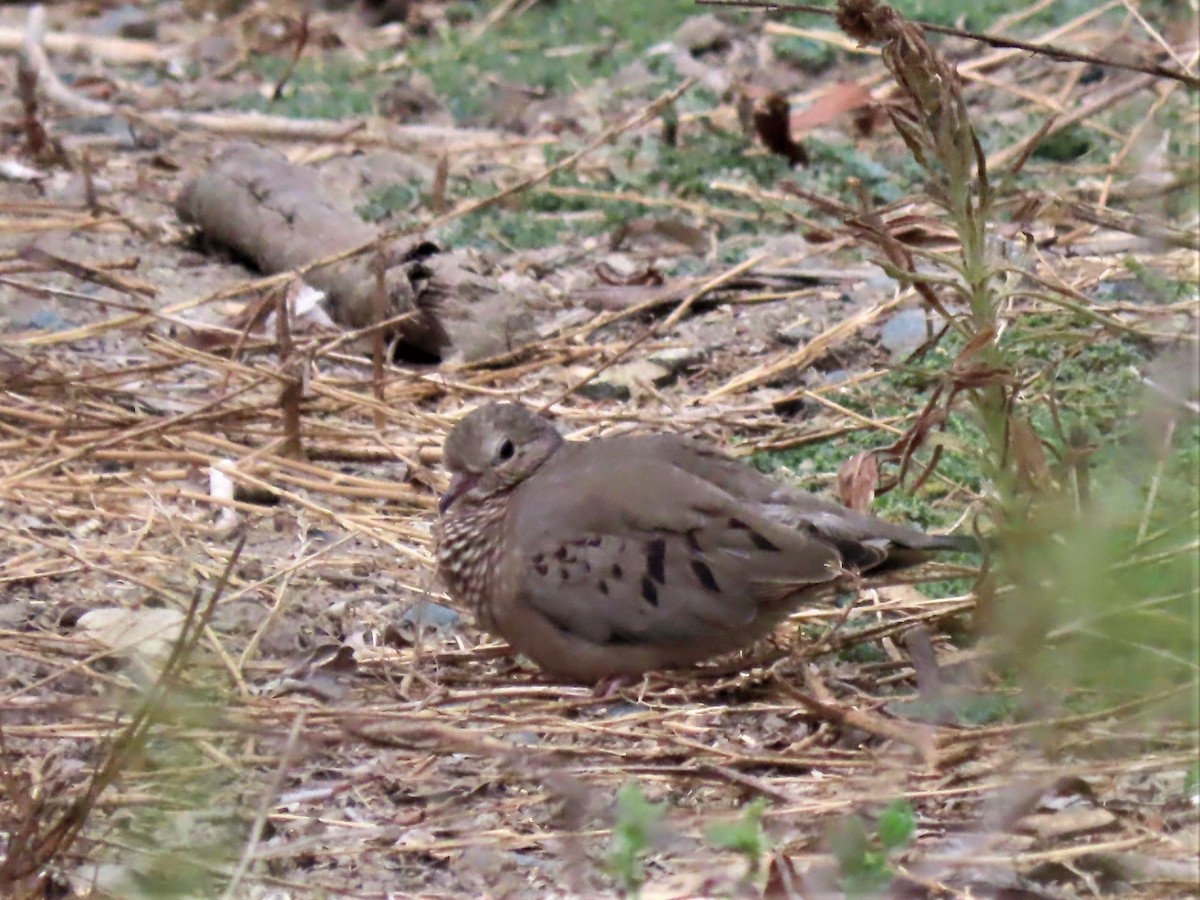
[1094, 379]
[556, 47]
[983, 13]
[331, 86]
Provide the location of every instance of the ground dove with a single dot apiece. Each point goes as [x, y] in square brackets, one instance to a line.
[615, 556]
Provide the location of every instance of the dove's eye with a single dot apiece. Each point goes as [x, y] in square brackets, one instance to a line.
[506, 451]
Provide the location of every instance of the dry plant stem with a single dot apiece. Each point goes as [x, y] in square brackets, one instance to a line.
[497, 13]
[301, 43]
[121, 51]
[264, 807]
[1004, 157]
[292, 389]
[149, 586]
[278, 605]
[35, 133]
[937, 129]
[822, 703]
[250, 124]
[662, 324]
[992, 40]
[59, 837]
[220, 403]
[96, 275]
[806, 355]
[377, 346]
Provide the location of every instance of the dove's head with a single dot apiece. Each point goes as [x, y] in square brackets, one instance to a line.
[494, 448]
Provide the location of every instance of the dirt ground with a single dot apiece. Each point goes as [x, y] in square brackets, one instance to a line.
[339, 729]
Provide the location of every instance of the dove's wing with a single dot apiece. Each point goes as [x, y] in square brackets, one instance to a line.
[617, 543]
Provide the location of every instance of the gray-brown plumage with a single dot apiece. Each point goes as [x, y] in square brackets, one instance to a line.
[619, 555]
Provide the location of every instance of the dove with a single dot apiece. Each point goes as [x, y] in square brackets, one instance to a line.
[620, 555]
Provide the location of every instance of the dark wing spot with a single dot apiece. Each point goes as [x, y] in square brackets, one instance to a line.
[604, 587]
[650, 591]
[656, 558]
[539, 558]
[564, 574]
[859, 556]
[755, 538]
[693, 544]
[540, 567]
[705, 574]
[761, 542]
[595, 541]
[561, 552]
[617, 572]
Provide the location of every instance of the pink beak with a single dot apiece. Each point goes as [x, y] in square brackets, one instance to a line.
[459, 485]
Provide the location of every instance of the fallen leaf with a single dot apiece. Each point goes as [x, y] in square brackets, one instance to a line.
[1028, 453]
[1068, 822]
[144, 636]
[841, 98]
[15, 170]
[921, 231]
[319, 673]
[669, 230]
[857, 480]
[610, 274]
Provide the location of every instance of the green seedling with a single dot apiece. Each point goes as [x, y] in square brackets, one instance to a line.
[863, 858]
[744, 835]
[637, 822]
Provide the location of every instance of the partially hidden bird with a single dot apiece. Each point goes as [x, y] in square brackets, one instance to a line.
[608, 558]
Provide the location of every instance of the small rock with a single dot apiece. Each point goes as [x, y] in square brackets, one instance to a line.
[675, 359]
[619, 382]
[427, 614]
[213, 49]
[905, 332]
[701, 34]
[409, 99]
[48, 320]
[562, 320]
[114, 127]
[799, 332]
[73, 189]
[836, 376]
[145, 636]
[128, 21]
[633, 77]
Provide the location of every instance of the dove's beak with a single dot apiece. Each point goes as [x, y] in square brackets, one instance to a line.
[459, 485]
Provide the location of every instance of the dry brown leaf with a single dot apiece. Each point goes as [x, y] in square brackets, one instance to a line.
[841, 98]
[1028, 453]
[857, 480]
[144, 635]
[660, 230]
[1068, 822]
[921, 231]
[977, 342]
